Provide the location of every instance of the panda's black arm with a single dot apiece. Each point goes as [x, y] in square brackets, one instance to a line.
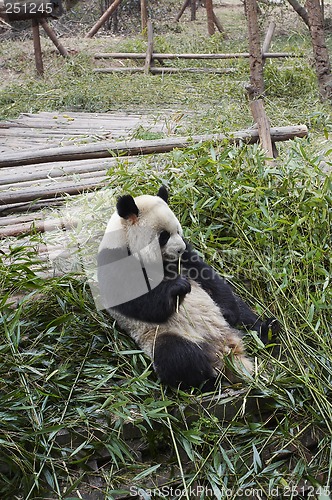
[234, 309]
[221, 292]
[158, 304]
[155, 306]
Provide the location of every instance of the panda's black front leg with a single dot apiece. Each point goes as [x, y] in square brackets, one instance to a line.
[220, 291]
[234, 309]
[158, 304]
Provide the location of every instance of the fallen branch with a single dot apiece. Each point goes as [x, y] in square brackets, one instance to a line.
[130, 148]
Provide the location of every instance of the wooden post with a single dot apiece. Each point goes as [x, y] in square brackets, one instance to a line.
[37, 47]
[193, 10]
[183, 8]
[263, 126]
[209, 14]
[48, 30]
[144, 15]
[268, 39]
[103, 18]
[255, 59]
[149, 50]
[218, 23]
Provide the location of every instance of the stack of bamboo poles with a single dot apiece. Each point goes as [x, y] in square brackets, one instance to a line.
[37, 178]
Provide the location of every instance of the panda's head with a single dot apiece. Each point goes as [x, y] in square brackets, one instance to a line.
[145, 219]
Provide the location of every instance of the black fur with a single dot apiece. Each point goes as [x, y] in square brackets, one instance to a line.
[181, 363]
[234, 309]
[126, 206]
[163, 193]
[163, 238]
[160, 303]
[157, 305]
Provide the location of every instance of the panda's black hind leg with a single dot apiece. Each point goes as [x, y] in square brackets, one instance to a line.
[269, 330]
[179, 362]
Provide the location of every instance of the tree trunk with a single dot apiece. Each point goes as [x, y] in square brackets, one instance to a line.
[209, 14]
[255, 59]
[300, 10]
[193, 10]
[321, 55]
[144, 16]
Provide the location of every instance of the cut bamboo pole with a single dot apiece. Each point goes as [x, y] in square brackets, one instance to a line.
[36, 205]
[57, 170]
[142, 55]
[51, 183]
[40, 193]
[107, 149]
[164, 70]
[39, 226]
[20, 219]
[107, 14]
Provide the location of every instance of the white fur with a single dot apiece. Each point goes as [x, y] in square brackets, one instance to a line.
[154, 216]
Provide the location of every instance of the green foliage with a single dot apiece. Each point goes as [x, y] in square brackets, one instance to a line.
[73, 386]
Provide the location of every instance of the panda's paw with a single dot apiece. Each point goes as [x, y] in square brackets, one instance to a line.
[180, 287]
[269, 329]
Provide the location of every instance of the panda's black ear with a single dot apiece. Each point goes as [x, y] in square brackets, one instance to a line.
[163, 193]
[126, 207]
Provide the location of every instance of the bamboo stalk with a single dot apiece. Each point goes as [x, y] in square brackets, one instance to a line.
[20, 207]
[18, 219]
[56, 170]
[51, 183]
[107, 149]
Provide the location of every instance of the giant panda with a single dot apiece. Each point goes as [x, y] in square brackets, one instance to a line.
[182, 314]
